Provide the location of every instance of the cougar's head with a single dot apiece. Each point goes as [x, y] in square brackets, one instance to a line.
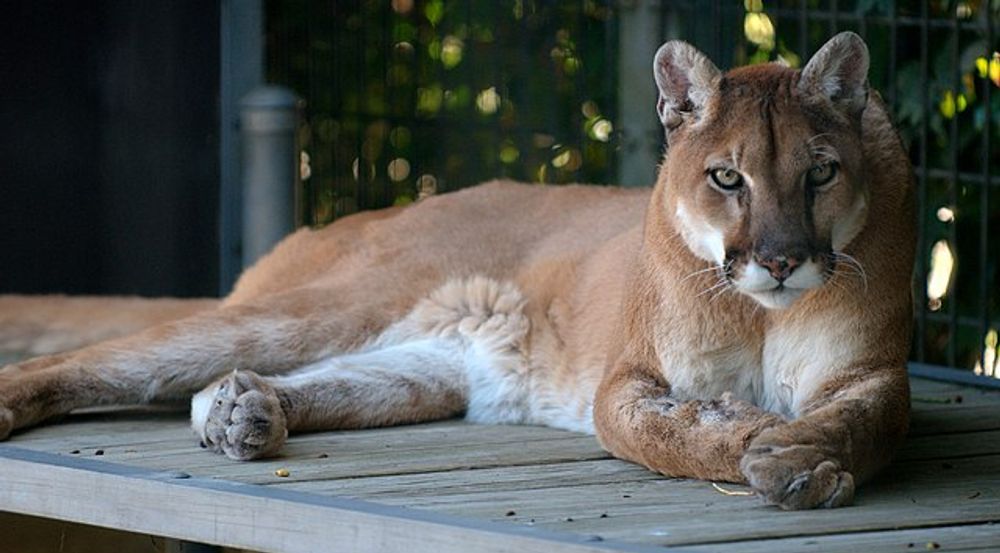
[764, 173]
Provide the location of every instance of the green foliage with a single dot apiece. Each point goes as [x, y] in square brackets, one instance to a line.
[411, 97]
[472, 90]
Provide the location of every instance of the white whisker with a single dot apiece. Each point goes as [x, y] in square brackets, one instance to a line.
[700, 272]
[851, 263]
[835, 282]
[721, 283]
[816, 137]
[720, 293]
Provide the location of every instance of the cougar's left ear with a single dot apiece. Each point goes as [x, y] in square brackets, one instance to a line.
[686, 79]
[839, 71]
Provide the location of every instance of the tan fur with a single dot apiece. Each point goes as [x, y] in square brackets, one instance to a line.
[578, 307]
[40, 325]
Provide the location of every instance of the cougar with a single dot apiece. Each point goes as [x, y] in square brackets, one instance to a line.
[746, 320]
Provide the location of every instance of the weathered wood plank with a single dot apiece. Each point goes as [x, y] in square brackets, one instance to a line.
[980, 537]
[444, 446]
[580, 473]
[110, 429]
[930, 394]
[925, 386]
[958, 418]
[304, 464]
[236, 515]
[493, 480]
[952, 375]
[688, 512]
[950, 446]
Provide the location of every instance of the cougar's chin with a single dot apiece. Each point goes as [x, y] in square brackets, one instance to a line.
[777, 298]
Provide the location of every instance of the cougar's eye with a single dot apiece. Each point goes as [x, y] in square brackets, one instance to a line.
[726, 178]
[821, 174]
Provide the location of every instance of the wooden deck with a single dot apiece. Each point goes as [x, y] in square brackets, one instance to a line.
[457, 487]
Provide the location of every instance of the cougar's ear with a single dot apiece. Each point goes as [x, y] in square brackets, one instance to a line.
[839, 72]
[686, 79]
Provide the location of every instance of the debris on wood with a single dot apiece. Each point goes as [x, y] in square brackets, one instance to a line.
[974, 495]
[510, 514]
[282, 473]
[99, 452]
[931, 545]
[927, 399]
[724, 491]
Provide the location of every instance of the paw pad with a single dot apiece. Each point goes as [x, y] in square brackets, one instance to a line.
[245, 420]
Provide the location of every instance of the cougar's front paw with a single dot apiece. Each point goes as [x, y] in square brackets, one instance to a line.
[6, 423]
[9, 398]
[240, 416]
[797, 477]
[9, 373]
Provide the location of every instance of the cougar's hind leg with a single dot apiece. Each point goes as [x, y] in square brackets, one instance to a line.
[247, 416]
[38, 332]
[172, 361]
[42, 325]
[461, 349]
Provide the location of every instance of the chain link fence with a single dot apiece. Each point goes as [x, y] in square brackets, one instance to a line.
[414, 97]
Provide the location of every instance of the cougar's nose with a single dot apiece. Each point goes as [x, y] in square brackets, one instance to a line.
[779, 266]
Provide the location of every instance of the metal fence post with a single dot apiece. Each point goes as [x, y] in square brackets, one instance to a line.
[241, 69]
[269, 117]
[638, 39]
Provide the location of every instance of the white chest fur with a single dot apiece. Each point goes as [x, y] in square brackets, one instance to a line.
[778, 374]
[800, 355]
[695, 373]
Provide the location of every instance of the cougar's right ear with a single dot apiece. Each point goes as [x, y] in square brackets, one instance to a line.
[686, 79]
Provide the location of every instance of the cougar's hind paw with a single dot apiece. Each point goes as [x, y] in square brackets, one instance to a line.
[240, 416]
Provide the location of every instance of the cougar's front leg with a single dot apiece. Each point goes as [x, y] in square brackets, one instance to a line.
[847, 430]
[172, 361]
[637, 420]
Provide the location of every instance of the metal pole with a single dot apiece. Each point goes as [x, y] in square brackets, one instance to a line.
[639, 36]
[241, 69]
[269, 117]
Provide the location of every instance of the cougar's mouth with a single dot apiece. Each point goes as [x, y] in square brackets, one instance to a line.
[774, 287]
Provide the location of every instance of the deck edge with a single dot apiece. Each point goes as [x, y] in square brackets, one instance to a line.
[955, 376]
[109, 494]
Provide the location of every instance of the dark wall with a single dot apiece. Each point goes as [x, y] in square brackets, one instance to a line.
[109, 147]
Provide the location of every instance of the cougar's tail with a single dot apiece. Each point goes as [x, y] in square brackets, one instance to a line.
[39, 325]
